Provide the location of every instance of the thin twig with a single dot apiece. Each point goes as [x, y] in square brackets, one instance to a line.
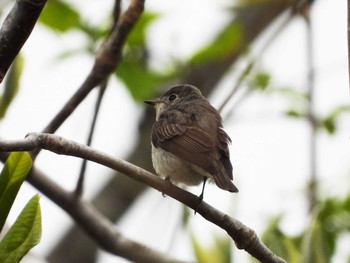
[253, 62]
[16, 29]
[243, 75]
[311, 114]
[106, 61]
[103, 86]
[80, 183]
[244, 237]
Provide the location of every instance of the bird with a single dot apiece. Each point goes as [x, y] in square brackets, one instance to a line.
[189, 144]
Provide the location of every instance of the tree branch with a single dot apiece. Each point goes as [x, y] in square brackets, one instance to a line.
[244, 237]
[100, 229]
[311, 116]
[251, 63]
[106, 61]
[16, 29]
[80, 184]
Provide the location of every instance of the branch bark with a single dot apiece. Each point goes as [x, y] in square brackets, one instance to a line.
[244, 237]
[97, 226]
[16, 29]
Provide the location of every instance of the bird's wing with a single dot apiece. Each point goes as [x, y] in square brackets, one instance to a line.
[196, 146]
[187, 142]
[223, 140]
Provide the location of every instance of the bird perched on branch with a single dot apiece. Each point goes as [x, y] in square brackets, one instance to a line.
[188, 142]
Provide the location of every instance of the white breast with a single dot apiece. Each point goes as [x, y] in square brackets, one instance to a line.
[167, 164]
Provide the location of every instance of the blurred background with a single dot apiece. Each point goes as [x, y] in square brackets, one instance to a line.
[277, 70]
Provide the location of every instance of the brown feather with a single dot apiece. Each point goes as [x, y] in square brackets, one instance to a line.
[188, 143]
[191, 129]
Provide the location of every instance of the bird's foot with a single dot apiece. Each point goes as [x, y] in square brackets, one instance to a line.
[167, 179]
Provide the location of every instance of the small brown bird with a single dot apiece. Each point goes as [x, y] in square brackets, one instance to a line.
[188, 142]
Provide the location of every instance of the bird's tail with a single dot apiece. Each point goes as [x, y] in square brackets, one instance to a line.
[223, 181]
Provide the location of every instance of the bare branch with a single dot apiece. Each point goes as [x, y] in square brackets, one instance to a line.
[80, 183]
[106, 61]
[244, 237]
[100, 229]
[16, 29]
[313, 184]
[253, 61]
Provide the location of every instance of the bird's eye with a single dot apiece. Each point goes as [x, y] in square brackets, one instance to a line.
[172, 97]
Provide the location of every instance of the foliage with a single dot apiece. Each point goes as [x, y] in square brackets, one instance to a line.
[229, 40]
[12, 176]
[23, 235]
[11, 86]
[298, 102]
[60, 16]
[283, 245]
[317, 243]
[219, 252]
[134, 71]
[329, 122]
[260, 81]
[26, 231]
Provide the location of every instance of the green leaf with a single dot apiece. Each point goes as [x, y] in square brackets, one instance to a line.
[60, 16]
[317, 249]
[292, 94]
[329, 125]
[138, 77]
[220, 252]
[12, 176]
[137, 36]
[295, 113]
[226, 43]
[11, 86]
[140, 80]
[329, 122]
[318, 243]
[23, 235]
[260, 81]
[281, 244]
[330, 220]
[334, 217]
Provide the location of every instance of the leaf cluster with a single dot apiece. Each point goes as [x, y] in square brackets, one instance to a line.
[26, 231]
[318, 242]
[298, 102]
[219, 252]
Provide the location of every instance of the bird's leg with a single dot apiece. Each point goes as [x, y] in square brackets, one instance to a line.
[167, 179]
[202, 193]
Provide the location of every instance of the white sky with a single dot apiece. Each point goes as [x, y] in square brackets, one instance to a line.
[269, 152]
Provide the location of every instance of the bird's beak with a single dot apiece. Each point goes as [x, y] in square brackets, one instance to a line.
[151, 102]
